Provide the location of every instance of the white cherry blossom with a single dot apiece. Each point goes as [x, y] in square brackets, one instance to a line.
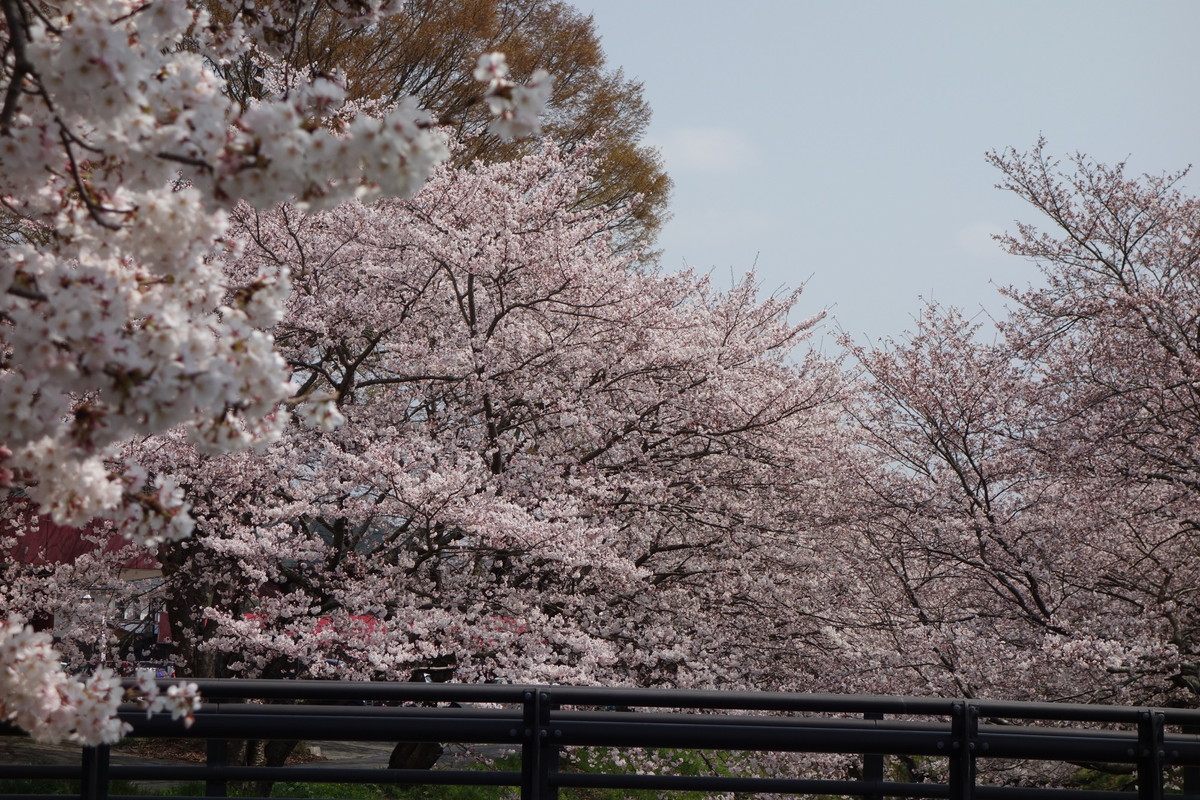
[120, 156]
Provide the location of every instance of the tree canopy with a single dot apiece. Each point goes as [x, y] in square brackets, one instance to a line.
[427, 52]
[450, 427]
[122, 152]
[552, 468]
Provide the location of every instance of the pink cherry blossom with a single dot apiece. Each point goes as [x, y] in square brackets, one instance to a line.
[553, 467]
[121, 156]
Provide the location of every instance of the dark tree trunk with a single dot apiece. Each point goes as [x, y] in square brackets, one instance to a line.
[415, 755]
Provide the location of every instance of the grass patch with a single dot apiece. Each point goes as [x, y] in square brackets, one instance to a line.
[51, 786]
[326, 791]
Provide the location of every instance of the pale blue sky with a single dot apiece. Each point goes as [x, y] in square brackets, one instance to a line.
[842, 143]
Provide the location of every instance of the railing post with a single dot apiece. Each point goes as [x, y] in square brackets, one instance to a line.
[539, 751]
[1191, 774]
[94, 785]
[872, 771]
[218, 756]
[1150, 755]
[964, 727]
[548, 747]
[530, 751]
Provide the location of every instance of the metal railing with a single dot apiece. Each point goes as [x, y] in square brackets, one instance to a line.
[1158, 746]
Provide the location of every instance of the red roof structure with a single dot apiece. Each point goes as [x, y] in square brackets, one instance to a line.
[47, 542]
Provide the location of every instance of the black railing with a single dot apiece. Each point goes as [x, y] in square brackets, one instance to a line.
[955, 740]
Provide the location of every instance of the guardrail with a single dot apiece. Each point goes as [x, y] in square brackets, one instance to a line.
[1160, 746]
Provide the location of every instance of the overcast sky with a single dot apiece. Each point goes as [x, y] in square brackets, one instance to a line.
[841, 142]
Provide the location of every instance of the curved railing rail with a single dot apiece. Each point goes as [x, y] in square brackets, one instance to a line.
[1159, 746]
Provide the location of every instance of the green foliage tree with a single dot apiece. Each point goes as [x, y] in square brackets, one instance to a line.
[428, 52]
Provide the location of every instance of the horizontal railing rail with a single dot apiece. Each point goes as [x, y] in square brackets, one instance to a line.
[1157, 746]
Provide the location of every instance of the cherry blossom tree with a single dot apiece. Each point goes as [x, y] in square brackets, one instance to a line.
[1024, 518]
[552, 468]
[1112, 335]
[1114, 326]
[984, 555]
[121, 157]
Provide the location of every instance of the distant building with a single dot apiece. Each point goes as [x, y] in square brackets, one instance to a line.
[34, 541]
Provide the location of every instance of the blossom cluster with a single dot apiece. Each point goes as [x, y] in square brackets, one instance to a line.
[515, 107]
[121, 153]
[542, 446]
[52, 706]
[118, 167]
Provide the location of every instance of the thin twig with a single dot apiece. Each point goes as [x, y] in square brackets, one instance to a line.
[94, 209]
[28, 294]
[190, 161]
[22, 66]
